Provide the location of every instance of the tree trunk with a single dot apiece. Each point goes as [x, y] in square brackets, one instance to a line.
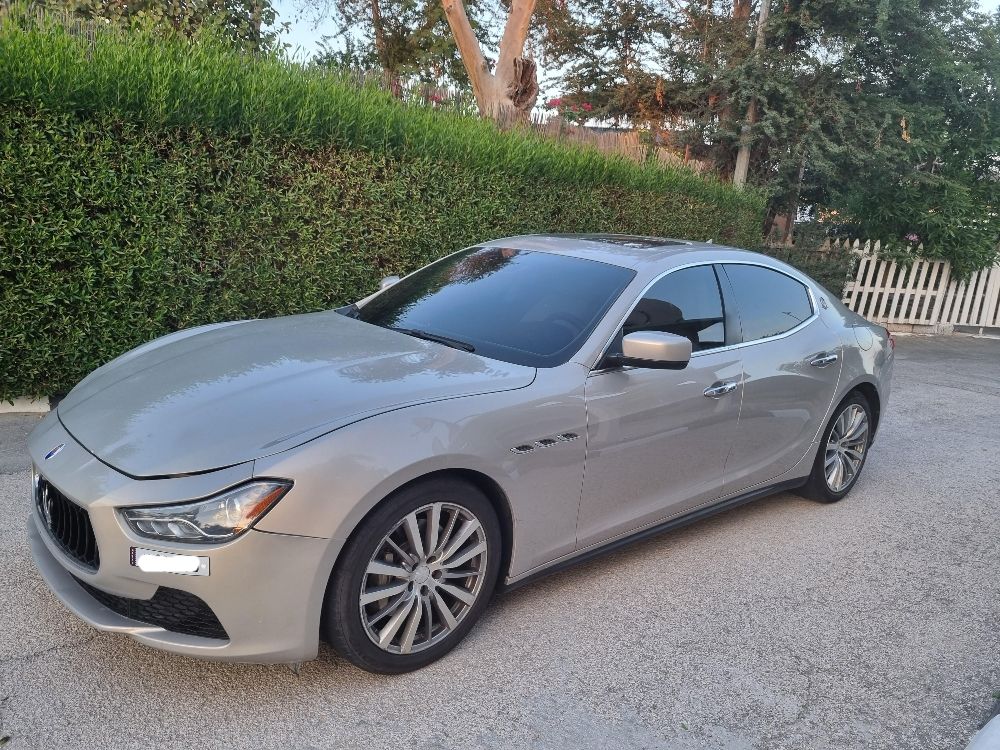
[769, 219]
[741, 18]
[793, 204]
[743, 157]
[255, 21]
[513, 86]
[379, 29]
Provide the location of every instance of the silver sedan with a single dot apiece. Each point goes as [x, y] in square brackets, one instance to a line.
[371, 475]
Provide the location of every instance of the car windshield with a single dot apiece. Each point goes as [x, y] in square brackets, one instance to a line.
[528, 308]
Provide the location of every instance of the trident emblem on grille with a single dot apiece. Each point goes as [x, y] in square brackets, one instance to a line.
[54, 451]
[45, 505]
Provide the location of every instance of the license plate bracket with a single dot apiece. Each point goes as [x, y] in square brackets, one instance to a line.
[155, 561]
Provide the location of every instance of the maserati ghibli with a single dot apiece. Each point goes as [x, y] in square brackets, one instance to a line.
[371, 475]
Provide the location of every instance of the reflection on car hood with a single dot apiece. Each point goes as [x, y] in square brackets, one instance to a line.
[203, 399]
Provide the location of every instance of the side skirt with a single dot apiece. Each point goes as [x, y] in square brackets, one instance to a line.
[669, 525]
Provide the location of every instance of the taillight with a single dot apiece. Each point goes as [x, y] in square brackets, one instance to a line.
[892, 341]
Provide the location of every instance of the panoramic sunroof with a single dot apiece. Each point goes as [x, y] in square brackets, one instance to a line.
[628, 241]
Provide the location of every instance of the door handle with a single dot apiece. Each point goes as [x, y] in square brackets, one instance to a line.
[721, 389]
[823, 360]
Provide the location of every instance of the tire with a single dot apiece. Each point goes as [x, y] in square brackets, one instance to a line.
[389, 634]
[818, 487]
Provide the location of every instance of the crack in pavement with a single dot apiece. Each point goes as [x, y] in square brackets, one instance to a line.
[61, 647]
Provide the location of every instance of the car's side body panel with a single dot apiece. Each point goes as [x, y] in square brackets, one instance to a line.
[656, 444]
[342, 476]
[871, 365]
[785, 403]
[855, 367]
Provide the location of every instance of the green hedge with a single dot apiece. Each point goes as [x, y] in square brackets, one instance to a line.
[118, 224]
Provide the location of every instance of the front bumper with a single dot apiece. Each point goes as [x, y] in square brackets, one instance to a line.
[265, 589]
[262, 595]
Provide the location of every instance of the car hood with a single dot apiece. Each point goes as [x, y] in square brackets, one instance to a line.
[206, 398]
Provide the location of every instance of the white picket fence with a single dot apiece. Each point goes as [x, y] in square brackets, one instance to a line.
[922, 296]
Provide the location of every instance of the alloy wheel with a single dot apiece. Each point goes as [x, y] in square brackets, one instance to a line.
[424, 578]
[845, 448]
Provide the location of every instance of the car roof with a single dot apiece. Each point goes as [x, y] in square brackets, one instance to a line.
[628, 251]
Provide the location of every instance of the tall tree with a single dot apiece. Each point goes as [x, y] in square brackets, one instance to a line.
[925, 165]
[880, 113]
[442, 40]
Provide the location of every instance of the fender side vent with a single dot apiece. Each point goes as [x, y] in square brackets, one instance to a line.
[519, 449]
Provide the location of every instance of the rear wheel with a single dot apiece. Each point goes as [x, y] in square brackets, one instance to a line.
[842, 451]
[415, 577]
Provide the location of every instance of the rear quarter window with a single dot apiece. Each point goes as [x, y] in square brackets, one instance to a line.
[769, 302]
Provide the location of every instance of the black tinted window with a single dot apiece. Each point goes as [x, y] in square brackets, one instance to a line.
[769, 302]
[517, 306]
[687, 303]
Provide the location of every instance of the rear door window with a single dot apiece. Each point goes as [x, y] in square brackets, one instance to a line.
[769, 302]
[686, 303]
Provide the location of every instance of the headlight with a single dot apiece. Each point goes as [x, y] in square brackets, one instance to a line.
[217, 519]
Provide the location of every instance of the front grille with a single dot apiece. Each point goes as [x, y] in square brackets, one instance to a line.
[171, 609]
[68, 524]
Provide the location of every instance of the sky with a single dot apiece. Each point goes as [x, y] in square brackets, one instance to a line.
[305, 34]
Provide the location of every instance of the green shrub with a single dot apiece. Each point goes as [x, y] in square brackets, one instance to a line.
[172, 82]
[140, 194]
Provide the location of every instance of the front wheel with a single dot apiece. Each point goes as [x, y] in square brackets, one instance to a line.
[842, 451]
[415, 577]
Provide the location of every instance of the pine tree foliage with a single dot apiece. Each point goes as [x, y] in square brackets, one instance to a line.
[877, 116]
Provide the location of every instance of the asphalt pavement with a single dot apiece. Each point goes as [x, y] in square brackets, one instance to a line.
[872, 623]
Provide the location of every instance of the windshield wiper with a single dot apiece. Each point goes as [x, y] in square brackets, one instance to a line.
[418, 334]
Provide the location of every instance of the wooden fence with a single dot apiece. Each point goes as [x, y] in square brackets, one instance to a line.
[922, 296]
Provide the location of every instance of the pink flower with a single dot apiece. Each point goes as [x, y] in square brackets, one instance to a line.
[575, 108]
[436, 98]
[913, 237]
[553, 103]
[587, 107]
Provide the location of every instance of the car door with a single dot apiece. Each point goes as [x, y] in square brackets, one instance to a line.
[657, 440]
[791, 366]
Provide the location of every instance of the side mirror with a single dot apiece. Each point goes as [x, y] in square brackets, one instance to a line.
[654, 349]
[387, 282]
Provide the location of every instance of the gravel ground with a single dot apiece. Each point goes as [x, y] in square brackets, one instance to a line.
[872, 623]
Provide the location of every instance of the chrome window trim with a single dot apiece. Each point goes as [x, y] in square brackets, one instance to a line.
[731, 347]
